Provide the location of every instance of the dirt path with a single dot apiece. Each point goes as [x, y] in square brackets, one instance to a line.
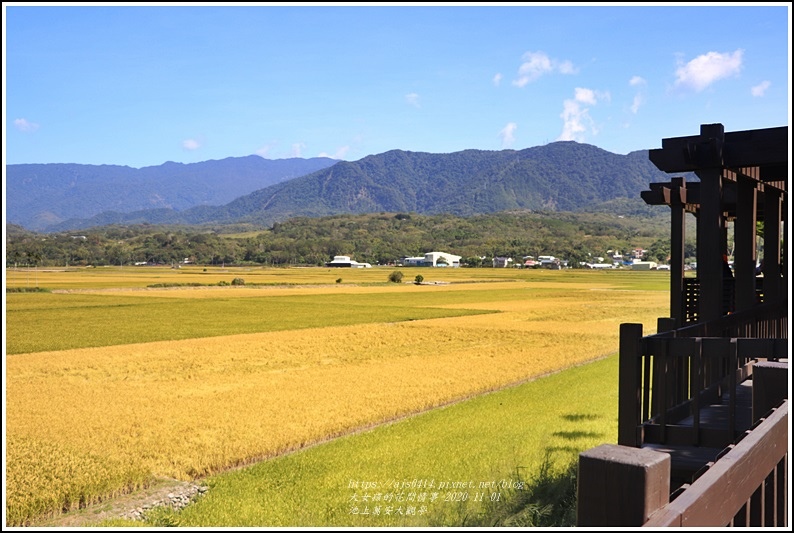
[162, 492]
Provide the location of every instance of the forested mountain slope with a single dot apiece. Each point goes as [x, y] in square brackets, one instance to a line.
[561, 176]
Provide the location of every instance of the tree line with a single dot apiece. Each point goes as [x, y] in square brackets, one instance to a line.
[375, 238]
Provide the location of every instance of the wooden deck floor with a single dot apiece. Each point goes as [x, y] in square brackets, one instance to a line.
[716, 416]
[687, 461]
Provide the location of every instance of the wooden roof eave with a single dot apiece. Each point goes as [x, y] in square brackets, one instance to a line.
[759, 157]
[663, 194]
[767, 148]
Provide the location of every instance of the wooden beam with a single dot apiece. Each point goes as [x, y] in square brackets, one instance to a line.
[776, 172]
[656, 196]
[763, 147]
[757, 147]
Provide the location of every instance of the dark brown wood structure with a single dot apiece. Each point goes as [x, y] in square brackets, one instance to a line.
[703, 402]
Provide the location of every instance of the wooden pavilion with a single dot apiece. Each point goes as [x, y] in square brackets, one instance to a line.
[743, 177]
[703, 402]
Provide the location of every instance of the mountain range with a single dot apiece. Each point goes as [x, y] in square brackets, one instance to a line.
[43, 195]
[560, 176]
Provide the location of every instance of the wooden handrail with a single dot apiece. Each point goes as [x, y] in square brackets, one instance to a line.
[665, 378]
[715, 498]
[767, 320]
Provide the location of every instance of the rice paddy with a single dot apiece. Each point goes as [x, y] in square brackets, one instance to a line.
[109, 384]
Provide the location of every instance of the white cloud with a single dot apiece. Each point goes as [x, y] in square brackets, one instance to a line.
[497, 79]
[573, 117]
[339, 154]
[708, 68]
[584, 96]
[413, 99]
[536, 64]
[637, 102]
[23, 124]
[639, 98]
[760, 89]
[190, 144]
[589, 96]
[265, 150]
[507, 134]
[566, 67]
[297, 149]
[576, 114]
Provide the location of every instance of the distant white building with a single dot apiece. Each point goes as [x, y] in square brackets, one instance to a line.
[344, 261]
[600, 265]
[643, 265]
[433, 259]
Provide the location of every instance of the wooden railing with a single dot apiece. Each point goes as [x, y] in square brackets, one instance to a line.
[622, 486]
[665, 379]
[746, 487]
[690, 446]
[691, 297]
[769, 321]
[669, 376]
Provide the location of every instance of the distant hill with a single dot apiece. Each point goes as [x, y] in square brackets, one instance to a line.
[561, 176]
[42, 195]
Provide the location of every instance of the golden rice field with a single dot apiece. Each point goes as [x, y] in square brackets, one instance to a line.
[86, 423]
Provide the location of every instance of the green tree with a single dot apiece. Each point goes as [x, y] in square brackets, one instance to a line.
[659, 250]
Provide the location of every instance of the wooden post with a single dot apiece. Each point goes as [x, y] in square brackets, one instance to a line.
[781, 494]
[629, 384]
[744, 236]
[772, 270]
[677, 239]
[709, 253]
[770, 387]
[697, 368]
[732, 350]
[711, 222]
[620, 486]
[664, 324]
[678, 366]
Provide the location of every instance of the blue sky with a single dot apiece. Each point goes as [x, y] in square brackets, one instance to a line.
[140, 85]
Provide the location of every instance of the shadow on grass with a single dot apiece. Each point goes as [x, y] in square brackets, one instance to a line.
[546, 500]
[573, 435]
[578, 417]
